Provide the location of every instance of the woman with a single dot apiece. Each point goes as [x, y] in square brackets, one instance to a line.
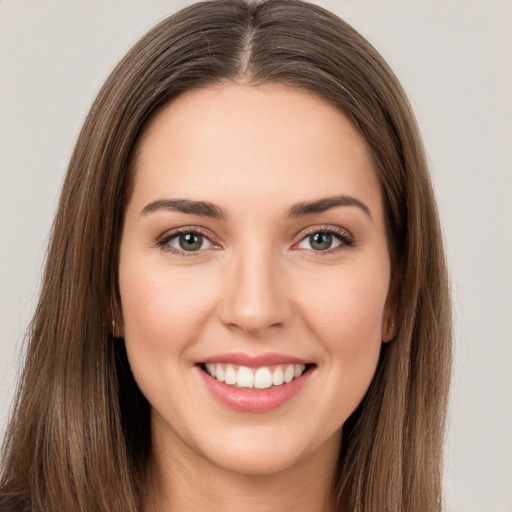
[245, 304]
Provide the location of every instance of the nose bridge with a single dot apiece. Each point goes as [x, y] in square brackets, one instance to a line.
[255, 298]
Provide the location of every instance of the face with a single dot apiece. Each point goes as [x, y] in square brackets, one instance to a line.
[254, 276]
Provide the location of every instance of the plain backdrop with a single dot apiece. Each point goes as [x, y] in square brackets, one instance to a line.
[454, 60]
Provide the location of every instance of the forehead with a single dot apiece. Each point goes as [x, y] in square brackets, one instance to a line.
[262, 143]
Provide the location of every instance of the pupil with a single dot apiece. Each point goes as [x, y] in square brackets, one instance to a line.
[320, 241]
[191, 242]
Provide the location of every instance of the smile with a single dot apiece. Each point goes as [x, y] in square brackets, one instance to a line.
[255, 384]
[264, 377]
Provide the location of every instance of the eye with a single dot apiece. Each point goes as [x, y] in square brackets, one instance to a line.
[324, 240]
[186, 241]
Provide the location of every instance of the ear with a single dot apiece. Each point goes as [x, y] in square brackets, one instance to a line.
[117, 324]
[389, 326]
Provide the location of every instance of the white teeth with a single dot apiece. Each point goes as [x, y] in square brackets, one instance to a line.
[299, 370]
[262, 378]
[211, 369]
[245, 377]
[289, 374]
[230, 375]
[255, 378]
[278, 376]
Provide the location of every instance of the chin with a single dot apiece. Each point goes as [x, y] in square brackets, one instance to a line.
[266, 451]
[256, 462]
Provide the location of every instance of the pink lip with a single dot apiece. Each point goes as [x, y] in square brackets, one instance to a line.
[249, 400]
[253, 361]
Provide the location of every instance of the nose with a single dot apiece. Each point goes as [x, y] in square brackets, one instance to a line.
[255, 298]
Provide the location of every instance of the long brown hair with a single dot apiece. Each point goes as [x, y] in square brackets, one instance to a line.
[79, 437]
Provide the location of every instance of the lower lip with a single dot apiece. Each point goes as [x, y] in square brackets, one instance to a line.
[249, 400]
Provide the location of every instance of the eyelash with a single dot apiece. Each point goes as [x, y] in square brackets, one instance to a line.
[345, 238]
[163, 242]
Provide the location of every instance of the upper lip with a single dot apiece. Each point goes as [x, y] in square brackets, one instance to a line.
[254, 361]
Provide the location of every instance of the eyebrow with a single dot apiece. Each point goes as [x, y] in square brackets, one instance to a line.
[186, 206]
[324, 204]
[207, 209]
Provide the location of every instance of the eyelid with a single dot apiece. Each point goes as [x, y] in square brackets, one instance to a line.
[346, 238]
[163, 240]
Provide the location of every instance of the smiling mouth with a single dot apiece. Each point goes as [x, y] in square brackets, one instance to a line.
[264, 377]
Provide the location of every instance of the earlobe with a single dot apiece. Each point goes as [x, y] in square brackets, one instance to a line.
[389, 328]
[117, 330]
[389, 331]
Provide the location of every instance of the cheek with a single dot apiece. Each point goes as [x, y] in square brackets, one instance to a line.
[163, 315]
[347, 316]
[164, 312]
[352, 305]
[160, 304]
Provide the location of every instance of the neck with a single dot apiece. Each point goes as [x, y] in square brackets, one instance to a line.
[186, 482]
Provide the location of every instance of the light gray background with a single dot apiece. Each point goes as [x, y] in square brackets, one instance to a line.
[454, 59]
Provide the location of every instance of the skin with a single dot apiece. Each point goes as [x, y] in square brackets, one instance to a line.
[257, 285]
